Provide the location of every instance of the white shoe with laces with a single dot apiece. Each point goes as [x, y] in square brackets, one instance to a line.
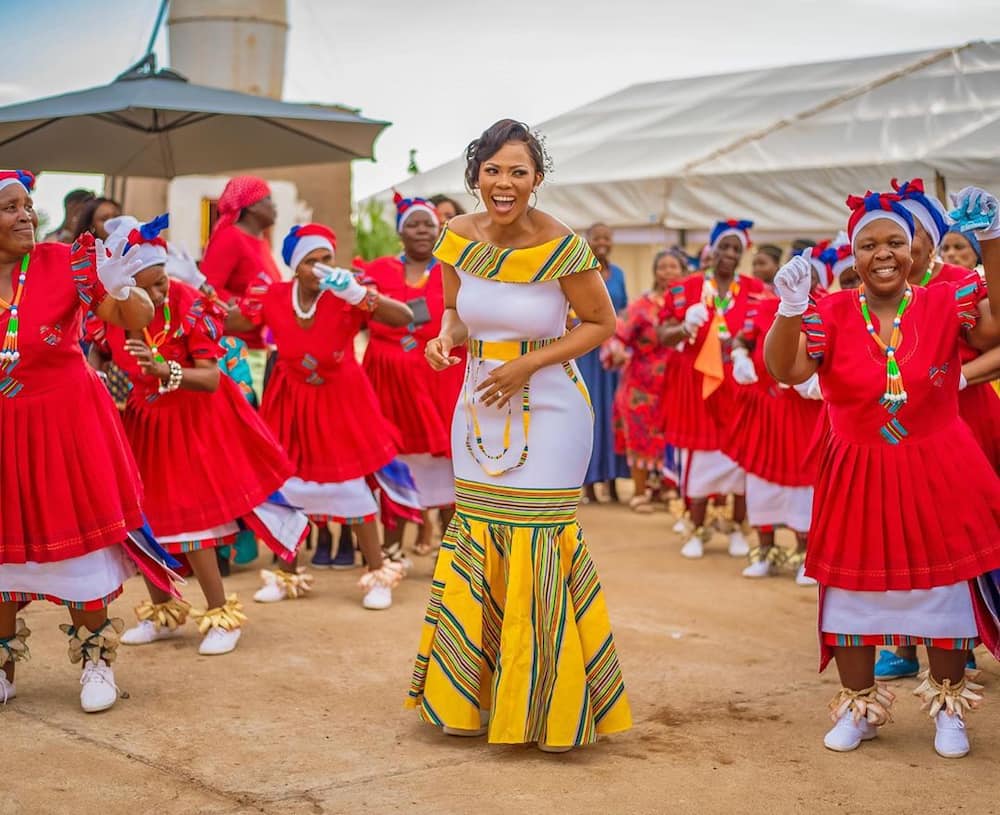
[146, 632]
[951, 740]
[7, 689]
[738, 545]
[760, 568]
[219, 641]
[99, 691]
[693, 548]
[847, 735]
[802, 579]
[377, 598]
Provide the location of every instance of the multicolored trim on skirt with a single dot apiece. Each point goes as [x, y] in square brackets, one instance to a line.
[515, 506]
[183, 547]
[89, 605]
[338, 519]
[857, 640]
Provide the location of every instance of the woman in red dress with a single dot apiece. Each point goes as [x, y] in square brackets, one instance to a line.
[700, 403]
[907, 508]
[208, 462]
[238, 254]
[416, 399]
[71, 491]
[321, 406]
[638, 408]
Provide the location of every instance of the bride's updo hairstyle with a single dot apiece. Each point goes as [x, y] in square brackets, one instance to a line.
[495, 137]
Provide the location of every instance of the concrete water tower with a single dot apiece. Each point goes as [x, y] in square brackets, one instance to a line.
[240, 45]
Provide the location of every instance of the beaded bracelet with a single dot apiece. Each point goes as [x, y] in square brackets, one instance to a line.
[370, 301]
[174, 380]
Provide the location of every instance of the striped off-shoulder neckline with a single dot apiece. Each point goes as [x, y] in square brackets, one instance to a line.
[559, 257]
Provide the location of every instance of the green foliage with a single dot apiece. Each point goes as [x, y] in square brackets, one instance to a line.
[374, 237]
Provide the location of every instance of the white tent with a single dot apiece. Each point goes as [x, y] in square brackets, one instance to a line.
[782, 146]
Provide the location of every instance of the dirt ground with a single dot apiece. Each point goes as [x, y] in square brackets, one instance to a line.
[306, 715]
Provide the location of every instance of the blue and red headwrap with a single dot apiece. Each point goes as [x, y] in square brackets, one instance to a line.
[148, 234]
[876, 206]
[821, 257]
[306, 238]
[405, 207]
[925, 208]
[741, 229]
[22, 177]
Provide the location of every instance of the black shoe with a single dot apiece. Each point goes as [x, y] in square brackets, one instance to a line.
[344, 558]
[322, 558]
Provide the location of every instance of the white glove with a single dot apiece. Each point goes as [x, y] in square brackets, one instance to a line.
[810, 388]
[694, 318]
[793, 283]
[978, 205]
[963, 383]
[116, 268]
[342, 282]
[181, 266]
[744, 371]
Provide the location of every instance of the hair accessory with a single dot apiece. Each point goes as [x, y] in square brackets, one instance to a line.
[305, 238]
[405, 207]
[741, 229]
[22, 177]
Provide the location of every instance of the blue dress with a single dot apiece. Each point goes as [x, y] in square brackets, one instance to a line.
[603, 385]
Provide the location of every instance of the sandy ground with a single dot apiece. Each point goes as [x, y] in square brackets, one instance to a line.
[306, 716]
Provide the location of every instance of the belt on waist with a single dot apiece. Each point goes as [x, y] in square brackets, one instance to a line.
[505, 350]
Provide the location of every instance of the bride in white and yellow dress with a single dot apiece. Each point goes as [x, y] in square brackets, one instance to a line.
[516, 641]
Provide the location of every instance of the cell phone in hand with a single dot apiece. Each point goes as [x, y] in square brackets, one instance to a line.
[421, 314]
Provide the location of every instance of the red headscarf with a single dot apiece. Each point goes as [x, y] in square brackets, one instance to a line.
[241, 192]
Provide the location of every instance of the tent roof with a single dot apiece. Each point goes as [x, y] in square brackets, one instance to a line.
[782, 145]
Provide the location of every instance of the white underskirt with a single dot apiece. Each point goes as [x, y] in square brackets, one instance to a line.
[711, 472]
[221, 531]
[82, 579]
[944, 612]
[770, 504]
[434, 477]
[341, 499]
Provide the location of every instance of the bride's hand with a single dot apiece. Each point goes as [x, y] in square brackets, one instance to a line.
[505, 382]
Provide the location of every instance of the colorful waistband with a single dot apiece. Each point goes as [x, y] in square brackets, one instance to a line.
[507, 350]
[515, 506]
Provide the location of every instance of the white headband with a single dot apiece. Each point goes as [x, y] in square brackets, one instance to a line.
[6, 182]
[822, 270]
[739, 233]
[878, 215]
[842, 266]
[414, 208]
[149, 254]
[920, 213]
[307, 244]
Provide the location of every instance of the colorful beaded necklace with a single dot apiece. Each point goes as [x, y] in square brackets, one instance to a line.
[895, 393]
[722, 304]
[9, 355]
[155, 343]
[927, 276]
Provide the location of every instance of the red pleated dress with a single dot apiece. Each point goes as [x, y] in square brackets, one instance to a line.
[978, 404]
[773, 427]
[318, 402]
[206, 458]
[419, 401]
[904, 502]
[69, 486]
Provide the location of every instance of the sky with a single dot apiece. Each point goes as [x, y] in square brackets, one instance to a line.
[443, 70]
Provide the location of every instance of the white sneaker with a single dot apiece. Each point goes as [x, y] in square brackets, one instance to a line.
[99, 691]
[484, 721]
[219, 641]
[802, 579]
[377, 598]
[146, 632]
[273, 592]
[693, 548]
[738, 546]
[548, 748]
[761, 568]
[950, 741]
[7, 689]
[846, 735]
[682, 526]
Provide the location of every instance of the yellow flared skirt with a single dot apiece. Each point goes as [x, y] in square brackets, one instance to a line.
[517, 625]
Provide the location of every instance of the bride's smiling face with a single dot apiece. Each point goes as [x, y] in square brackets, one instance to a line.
[506, 181]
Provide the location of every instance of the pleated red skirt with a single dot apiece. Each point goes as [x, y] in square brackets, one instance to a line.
[68, 481]
[771, 435]
[915, 515]
[417, 400]
[332, 432]
[205, 458]
[691, 422]
[979, 405]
